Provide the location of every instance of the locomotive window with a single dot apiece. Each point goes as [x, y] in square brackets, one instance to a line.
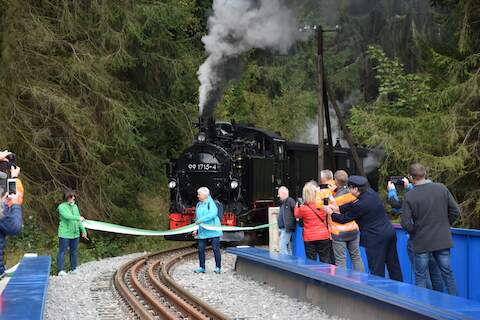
[207, 158]
[280, 152]
[268, 147]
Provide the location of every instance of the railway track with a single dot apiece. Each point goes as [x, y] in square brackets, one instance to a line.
[147, 287]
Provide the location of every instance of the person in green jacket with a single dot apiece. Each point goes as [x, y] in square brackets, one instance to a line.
[69, 230]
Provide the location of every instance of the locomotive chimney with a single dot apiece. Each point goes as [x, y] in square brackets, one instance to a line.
[211, 129]
[206, 129]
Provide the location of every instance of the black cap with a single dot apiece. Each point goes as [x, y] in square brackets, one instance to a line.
[357, 181]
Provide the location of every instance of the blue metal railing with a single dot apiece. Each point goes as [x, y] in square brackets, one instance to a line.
[465, 258]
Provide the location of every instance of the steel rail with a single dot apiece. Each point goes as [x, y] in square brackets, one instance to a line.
[119, 282]
[179, 303]
[206, 309]
[158, 307]
[192, 311]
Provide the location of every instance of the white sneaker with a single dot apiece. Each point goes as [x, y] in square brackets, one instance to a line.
[74, 271]
[62, 273]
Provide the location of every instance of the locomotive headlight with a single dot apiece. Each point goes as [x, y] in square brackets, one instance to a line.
[234, 184]
[172, 184]
[201, 137]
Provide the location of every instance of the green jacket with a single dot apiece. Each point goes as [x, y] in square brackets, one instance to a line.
[70, 225]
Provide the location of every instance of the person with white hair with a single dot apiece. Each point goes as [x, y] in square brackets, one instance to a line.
[286, 220]
[207, 214]
[326, 178]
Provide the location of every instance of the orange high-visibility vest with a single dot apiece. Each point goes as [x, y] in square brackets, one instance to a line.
[337, 229]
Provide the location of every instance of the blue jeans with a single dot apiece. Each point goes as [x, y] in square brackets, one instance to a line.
[62, 247]
[285, 241]
[442, 258]
[434, 276]
[202, 244]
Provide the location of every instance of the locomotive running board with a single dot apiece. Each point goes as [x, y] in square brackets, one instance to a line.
[232, 236]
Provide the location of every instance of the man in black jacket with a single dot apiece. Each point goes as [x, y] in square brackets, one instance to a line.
[376, 232]
[428, 211]
[286, 220]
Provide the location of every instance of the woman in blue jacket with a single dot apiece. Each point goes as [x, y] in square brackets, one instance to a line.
[207, 214]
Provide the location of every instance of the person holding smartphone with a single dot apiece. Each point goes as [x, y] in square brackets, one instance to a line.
[10, 208]
[69, 230]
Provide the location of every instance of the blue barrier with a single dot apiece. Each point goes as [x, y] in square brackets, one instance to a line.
[347, 293]
[25, 294]
[465, 258]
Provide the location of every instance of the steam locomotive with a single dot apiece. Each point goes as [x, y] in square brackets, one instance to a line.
[243, 166]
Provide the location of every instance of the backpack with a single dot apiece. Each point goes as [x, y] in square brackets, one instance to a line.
[219, 209]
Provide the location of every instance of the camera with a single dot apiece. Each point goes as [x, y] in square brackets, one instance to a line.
[398, 182]
[299, 202]
[12, 162]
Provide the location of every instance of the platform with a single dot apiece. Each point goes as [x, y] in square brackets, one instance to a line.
[347, 293]
[465, 258]
[25, 294]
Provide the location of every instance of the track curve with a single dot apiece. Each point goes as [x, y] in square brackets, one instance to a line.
[147, 287]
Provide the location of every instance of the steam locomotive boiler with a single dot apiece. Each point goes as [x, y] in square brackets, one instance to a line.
[243, 166]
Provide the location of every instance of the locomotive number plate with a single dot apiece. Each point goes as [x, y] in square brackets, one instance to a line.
[203, 167]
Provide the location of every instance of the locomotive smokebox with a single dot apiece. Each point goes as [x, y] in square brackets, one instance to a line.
[206, 130]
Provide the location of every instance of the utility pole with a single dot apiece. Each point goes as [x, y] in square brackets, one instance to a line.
[323, 114]
[320, 96]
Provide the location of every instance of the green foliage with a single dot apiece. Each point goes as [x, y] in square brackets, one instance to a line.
[406, 94]
[96, 96]
[432, 116]
[404, 123]
[274, 93]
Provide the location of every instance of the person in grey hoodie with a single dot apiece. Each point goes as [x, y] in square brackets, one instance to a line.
[428, 211]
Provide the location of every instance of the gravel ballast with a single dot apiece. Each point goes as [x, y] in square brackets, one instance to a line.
[87, 295]
[240, 297]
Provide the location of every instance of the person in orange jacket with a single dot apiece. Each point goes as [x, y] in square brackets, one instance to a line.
[345, 237]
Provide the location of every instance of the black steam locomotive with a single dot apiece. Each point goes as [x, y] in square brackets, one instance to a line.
[243, 166]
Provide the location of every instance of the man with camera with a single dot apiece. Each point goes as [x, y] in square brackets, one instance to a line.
[11, 192]
[428, 211]
[396, 185]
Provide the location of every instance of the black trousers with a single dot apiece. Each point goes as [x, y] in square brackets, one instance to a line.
[384, 253]
[322, 249]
